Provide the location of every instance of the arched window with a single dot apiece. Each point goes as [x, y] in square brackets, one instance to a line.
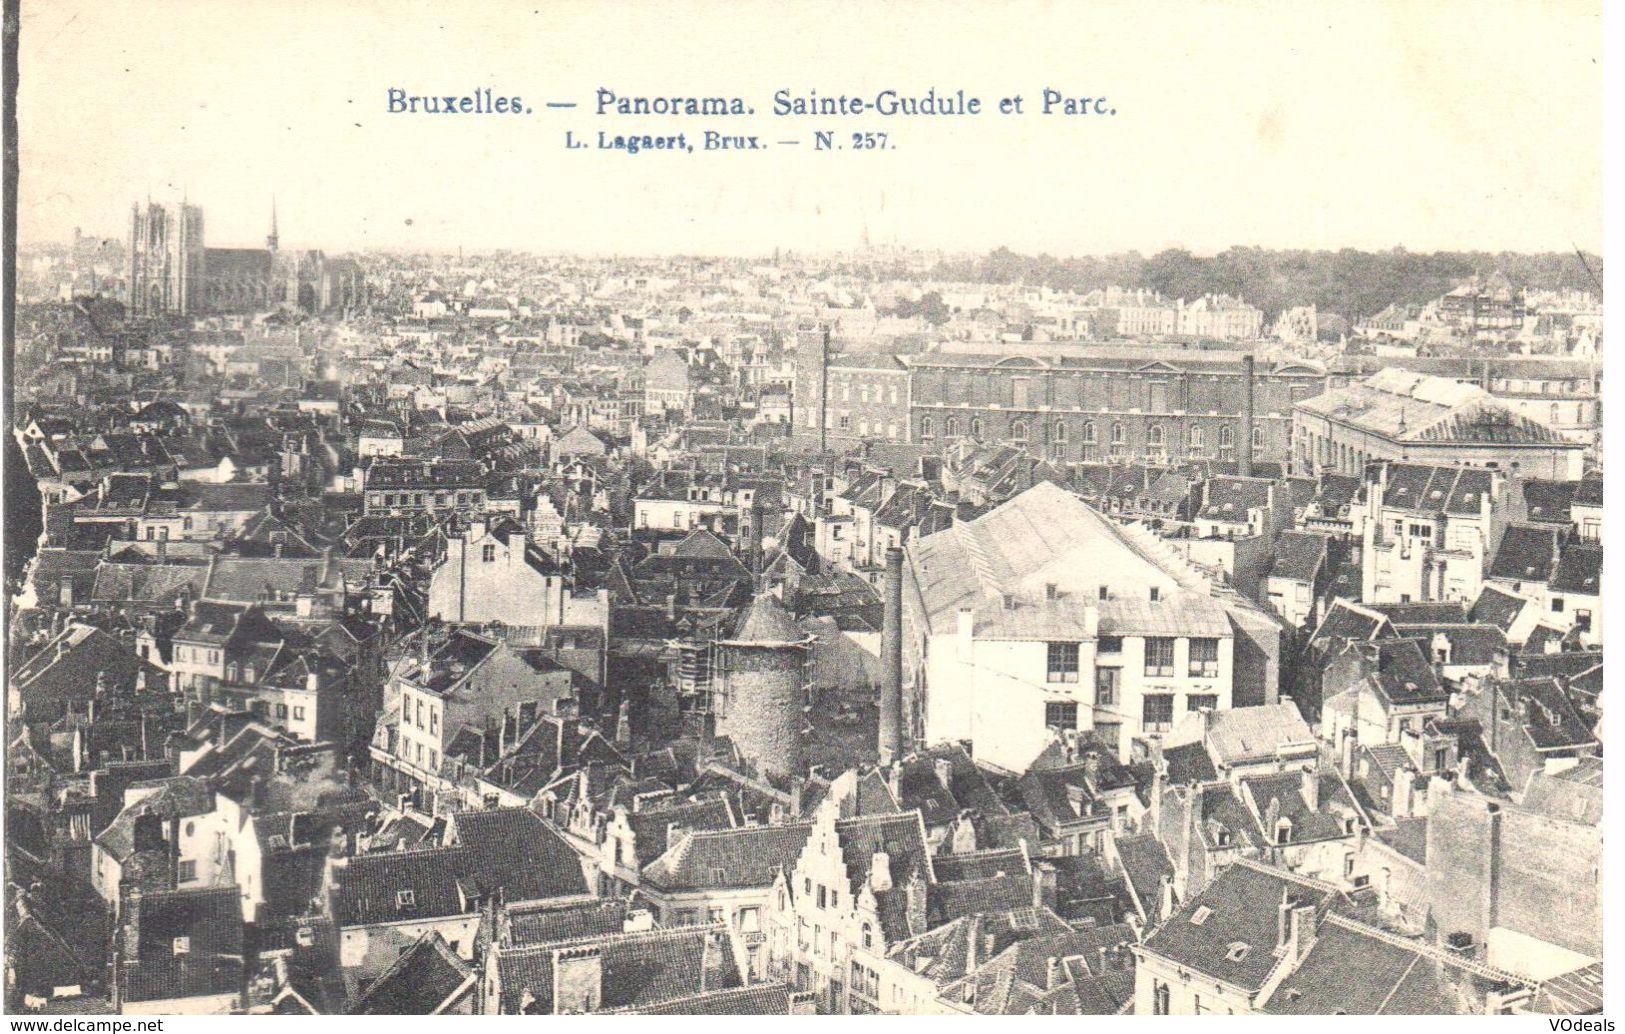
[1227, 438]
[868, 936]
[976, 427]
[1258, 439]
[951, 427]
[1018, 430]
[1153, 436]
[1554, 413]
[928, 427]
[1198, 439]
[1117, 433]
[1089, 433]
[1060, 431]
[231, 673]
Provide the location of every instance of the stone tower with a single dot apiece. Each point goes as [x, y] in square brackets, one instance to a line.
[761, 688]
[165, 260]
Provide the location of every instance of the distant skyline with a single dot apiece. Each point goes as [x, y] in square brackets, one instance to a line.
[1346, 124]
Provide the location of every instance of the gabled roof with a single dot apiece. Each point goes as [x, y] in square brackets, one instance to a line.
[1361, 971]
[506, 849]
[208, 924]
[1497, 606]
[1346, 619]
[1527, 553]
[1229, 931]
[749, 856]
[1299, 555]
[425, 980]
[639, 969]
[1579, 571]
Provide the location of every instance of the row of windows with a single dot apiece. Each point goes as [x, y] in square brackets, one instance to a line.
[414, 716]
[1157, 712]
[422, 498]
[1155, 436]
[827, 897]
[1062, 658]
[890, 393]
[261, 708]
[424, 758]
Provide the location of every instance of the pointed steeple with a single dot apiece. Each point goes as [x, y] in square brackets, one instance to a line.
[270, 241]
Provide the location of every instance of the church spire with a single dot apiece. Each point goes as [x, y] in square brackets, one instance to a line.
[270, 241]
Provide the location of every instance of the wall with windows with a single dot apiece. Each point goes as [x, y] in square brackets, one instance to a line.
[1005, 695]
[1095, 409]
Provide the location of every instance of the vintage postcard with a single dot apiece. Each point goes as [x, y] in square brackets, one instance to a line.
[803, 508]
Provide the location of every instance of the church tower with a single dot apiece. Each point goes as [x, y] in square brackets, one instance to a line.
[271, 239]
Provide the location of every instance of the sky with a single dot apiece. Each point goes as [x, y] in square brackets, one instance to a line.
[1452, 124]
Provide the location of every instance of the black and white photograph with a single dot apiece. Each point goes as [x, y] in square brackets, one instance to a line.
[803, 508]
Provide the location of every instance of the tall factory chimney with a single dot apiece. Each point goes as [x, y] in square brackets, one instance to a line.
[823, 392]
[1247, 416]
[891, 661]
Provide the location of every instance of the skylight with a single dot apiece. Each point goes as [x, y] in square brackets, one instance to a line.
[1199, 916]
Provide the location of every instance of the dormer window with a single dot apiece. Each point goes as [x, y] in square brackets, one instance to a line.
[182, 946]
[1283, 832]
[405, 899]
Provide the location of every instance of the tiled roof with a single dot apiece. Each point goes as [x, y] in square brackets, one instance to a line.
[1096, 962]
[652, 826]
[506, 849]
[211, 922]
[1299, 555]
[425, 979]
[1228, 932]
[750, 856]
[754, 1000]
[563, 921]
[1454, 490]
[1145, 863]
[1346, 619]
[1359, 971]
[953, 950]
[1255, 732]
[1547, 713]
[639, 969]
[1497, 606]
[1579, 571]
[1527, 553]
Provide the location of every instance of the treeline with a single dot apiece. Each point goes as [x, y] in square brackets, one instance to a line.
[1350, 283]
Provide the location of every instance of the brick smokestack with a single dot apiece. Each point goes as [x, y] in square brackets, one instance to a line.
[1247, 416]
[891, 661]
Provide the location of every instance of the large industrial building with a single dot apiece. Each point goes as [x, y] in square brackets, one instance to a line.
[1065, 402]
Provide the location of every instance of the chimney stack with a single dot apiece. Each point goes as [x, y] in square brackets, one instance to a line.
[891, 660]
[1247, 416]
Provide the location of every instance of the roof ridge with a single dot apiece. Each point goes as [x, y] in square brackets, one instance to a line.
[1270, 870]
[624, 937]
[1422, 948]
[700, 833]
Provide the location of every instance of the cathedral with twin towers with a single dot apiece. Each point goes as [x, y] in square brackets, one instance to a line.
[173, 273]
